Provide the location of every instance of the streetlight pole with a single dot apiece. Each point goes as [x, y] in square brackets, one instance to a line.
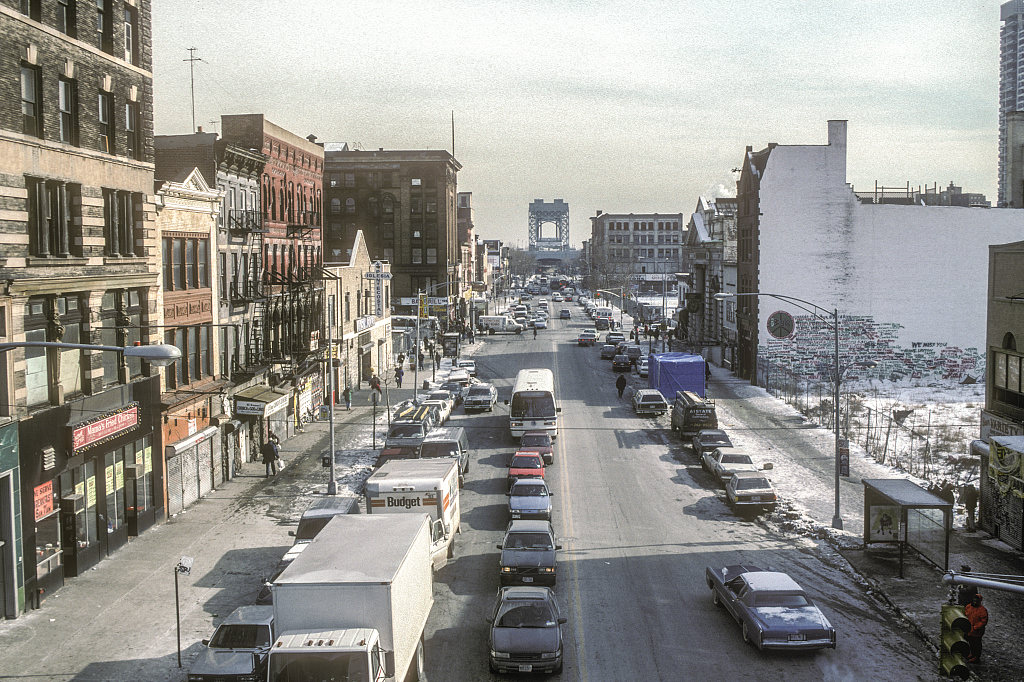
[837, 519]
[332, 485]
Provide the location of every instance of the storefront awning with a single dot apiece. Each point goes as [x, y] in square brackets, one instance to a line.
[174, 449]
[260, 401]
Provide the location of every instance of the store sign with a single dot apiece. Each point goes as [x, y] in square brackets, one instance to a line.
[193, 425]
[365, 322]
[104, 428]
[43, 495]
[258, 407]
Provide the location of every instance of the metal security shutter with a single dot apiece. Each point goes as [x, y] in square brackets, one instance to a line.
[174, 503]
[204, 460]
[189, 476]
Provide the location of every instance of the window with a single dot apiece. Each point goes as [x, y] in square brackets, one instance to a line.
[32, 9]
[131, 48]
[194, 365]
[350, 205]
[31, 106]
[431, 256]
[335, 206]
[106, 122]
[120, 323]
[133, 132]
[50, 206]
[104, 27]
[417, 256]
[119, 210]
[350, 179]
[416, 182]
[66, 17]
[335, 179]
[186, 263]
[67, 104]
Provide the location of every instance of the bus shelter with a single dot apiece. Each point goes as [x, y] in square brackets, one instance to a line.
[899, 511]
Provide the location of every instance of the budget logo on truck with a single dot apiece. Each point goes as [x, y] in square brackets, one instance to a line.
[401, 502]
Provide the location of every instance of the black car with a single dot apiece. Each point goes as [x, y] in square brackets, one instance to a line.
[238, 648]
[620, 363]
[526, 631]
[707, 440]
[528, 554]
[607, 352]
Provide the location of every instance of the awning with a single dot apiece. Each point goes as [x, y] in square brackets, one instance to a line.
[260, 401]
[175, 449]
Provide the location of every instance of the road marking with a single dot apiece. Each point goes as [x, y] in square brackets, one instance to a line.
[577, 622]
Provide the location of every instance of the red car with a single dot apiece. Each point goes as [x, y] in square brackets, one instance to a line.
[524, 464]
[539, 441]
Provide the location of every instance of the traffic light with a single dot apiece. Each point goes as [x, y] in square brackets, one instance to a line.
[953, 646]
[597, 295]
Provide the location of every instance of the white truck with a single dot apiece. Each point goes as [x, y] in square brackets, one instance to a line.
[353, 606]
[493, 324]
[403, 486]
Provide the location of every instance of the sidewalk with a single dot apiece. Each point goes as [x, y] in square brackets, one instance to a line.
[117, 620]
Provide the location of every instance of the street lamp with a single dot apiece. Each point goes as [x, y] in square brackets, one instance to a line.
[420, 305]
[837, 519]
[156, 354]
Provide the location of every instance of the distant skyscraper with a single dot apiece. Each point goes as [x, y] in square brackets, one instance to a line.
[1011, 85]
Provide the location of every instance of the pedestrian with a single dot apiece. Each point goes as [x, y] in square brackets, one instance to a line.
[969, 498]
[399, 373]
[978, 616]
[401, 359]
[347, 395]
[534, 332]
[271, 453]
[965, 593]
[421, 359]
[947, 493]
[620, 384]
[472, 335]
[707, 371]
[375, 385]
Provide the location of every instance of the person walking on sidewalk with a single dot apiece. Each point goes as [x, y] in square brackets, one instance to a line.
[969, 498]
[978, 616]
[271, 453]
[399, 373]
[620, 385]
[347, 395]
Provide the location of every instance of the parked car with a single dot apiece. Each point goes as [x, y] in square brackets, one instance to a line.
[557, 298]
[642, 366]
[481, 397]
[707, 440]
[750, 491]
[539, 441]
[614, 337]
[587, 337]
[540, 323]
[456, 389]
[649, 401]
[607, 352]
[565, 314]
[620, 363]
[772, 609]
[524, 464]
[526, 631]
[634, 351]
[443, 409]
[528, 553]
[445, 397]
[724, 462]
[468, 365]
[529, 498]
[238, 648]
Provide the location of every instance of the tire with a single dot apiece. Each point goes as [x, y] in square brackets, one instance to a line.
[490, 666]
[451, 549]
[715, 599]
[557, 670]
[746, 634]
[417, 672]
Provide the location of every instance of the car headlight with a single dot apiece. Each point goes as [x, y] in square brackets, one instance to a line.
[499, 654]
[195, 678]
[547, 570]
[506, 569]
[549, 654]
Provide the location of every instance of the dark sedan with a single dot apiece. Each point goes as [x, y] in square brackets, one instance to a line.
[526, 631]
[773, 611]
[621, 363]
[607, 352]
[707, 440]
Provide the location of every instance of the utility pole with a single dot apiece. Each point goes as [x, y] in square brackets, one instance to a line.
[192, 59]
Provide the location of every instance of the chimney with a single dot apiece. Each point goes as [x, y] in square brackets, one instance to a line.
[311, 138]
[836, 152]
[200, 130]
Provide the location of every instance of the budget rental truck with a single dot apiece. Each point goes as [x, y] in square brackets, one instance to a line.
[354, 604]
[417, 486]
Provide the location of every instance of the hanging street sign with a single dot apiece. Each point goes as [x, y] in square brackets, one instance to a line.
[781, 324]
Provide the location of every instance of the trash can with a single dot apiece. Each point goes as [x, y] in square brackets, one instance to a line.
[426, 384]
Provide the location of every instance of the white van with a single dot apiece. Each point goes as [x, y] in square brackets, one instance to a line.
[499, 323]
[420, 486]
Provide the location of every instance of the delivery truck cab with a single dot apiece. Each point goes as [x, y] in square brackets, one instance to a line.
[420, 486]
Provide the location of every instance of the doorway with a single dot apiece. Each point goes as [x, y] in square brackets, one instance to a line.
[8, 579]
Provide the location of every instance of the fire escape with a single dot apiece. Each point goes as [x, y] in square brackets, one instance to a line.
[249, 288]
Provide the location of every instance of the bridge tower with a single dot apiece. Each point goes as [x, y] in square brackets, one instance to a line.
[556, 212]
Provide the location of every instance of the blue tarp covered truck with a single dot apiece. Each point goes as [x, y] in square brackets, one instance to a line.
[671, 373]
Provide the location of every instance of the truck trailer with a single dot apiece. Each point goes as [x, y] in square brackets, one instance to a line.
[354, 605]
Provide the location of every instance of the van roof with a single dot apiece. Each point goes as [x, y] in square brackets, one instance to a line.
[445, 433]
[329, 506]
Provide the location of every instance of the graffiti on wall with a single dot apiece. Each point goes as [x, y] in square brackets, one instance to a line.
[809, 352]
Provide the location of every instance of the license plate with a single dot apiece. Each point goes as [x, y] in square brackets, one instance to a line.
[525, 668]
[757, 498]
[515, 515]
[527, 580]
[798, 638]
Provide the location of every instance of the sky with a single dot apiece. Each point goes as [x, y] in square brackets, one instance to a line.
[639, 106]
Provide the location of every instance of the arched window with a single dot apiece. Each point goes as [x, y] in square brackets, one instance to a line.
[350, 205]
[1009, 341]
[335, 206]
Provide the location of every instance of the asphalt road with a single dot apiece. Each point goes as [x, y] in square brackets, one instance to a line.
[638, 521]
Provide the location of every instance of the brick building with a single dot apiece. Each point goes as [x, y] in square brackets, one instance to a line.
[404, 204]
[79, 254]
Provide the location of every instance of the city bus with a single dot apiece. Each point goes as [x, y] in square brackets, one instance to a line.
[532, 407]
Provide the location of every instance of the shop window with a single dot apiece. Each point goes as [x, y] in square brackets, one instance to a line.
[47, 529]
[113, 477]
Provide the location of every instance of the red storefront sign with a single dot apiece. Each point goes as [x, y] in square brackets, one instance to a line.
[104, 428]
[44, 500]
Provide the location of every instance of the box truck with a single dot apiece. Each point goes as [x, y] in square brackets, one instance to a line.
[404, 486]
[492, 324]
[354, 605]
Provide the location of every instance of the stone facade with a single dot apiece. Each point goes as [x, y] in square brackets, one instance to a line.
[627, 247]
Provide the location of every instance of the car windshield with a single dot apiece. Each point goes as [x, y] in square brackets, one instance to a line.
[781, 599]
[712, 438]
[650, 399]
[532, 404]
[479, 392]
[240, 636]
[533, 440]
[525, 462]
[736, 459]
[519, 615]
[520, 490]
[439, 396]
[438, 450]
[528, 541]
[407, 431]
[752, 484]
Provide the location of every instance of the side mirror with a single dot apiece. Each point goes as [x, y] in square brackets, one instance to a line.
[499, 546]
[206, 642]
[558, 547]
[558, 409]
[768, 466]
[550, 494]
[563, 621]
[505, 401]
[291, 533]
[508, 494]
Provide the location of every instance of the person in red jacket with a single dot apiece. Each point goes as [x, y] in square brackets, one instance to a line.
[978, 617]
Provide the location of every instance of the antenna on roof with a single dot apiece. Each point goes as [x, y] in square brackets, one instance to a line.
[192, 59]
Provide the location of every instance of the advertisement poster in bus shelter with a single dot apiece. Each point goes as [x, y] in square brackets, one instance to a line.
[450, 345]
